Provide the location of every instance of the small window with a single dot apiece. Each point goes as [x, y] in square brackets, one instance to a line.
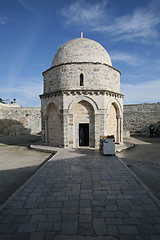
[81, 79]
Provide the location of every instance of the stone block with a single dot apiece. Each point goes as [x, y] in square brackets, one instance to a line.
[69, 228]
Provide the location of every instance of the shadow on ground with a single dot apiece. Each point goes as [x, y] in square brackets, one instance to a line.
[17, 162]
[12, 179]
[144, 160]
[24, 140]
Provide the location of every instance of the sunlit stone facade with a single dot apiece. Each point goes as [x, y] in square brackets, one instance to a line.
[81, 99]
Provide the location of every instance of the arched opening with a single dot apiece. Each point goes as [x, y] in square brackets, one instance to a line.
[53, 126]
[112, 122]
[83, 129]
[81, 79]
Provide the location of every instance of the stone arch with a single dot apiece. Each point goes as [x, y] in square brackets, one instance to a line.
[113, 121]
[83, 98]
[47, 105]
[53, 125]
[83, 124]
[117, 105]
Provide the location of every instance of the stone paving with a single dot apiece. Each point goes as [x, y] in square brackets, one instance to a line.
[77, 195]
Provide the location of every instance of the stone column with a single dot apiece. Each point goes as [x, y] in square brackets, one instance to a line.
[71, 133]
[66, 128]
[61, 117]
[118, 129]
[106, 125]
[99, 128]
[121, 129]
[45, 117]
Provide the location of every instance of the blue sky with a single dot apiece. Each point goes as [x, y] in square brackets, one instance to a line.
[31, 31]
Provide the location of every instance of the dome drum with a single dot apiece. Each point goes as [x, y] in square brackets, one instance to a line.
[67, 76]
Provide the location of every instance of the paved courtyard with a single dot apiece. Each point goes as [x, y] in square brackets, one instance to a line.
[79, 194]
[144, 160]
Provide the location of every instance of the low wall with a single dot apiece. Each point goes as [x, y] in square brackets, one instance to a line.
[19, 120]
[138, 117]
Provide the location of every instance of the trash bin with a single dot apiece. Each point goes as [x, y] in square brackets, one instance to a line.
[107, 145]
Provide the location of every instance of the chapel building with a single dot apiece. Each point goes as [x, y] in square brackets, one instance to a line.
[81, 99]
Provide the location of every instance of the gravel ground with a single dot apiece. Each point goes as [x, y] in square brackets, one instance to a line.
[144, 160]
[17, 163]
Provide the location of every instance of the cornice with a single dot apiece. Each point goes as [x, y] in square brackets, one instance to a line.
[80, 63]
[81, 92]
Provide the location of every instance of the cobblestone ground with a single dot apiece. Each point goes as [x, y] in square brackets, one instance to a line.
[81, 195]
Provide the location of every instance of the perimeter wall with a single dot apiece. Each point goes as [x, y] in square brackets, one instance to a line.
[138, 117]
[22, 120]
[19, 120]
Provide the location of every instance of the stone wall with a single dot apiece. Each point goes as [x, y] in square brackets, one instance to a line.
[19, 120]
[138, 117]
[22, 120]
[54, 126]
[67, 77]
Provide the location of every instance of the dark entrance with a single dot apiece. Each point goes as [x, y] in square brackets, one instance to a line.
[84, 134]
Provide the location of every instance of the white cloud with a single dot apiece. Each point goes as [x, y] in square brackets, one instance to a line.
[29, 7]
[129, 59]
[3, 19]
[84, 14]
[140, 24]
[142, 92]
[27, 92]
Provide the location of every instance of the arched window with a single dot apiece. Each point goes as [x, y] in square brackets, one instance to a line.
[81, 79]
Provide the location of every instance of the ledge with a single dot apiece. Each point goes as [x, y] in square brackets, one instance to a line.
[81, 92]
[79, 63]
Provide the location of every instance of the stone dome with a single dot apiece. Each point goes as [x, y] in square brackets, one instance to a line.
[81, 50]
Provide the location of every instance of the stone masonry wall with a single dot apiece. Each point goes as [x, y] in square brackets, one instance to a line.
[19, 120]
[54, 126]
[67, 77]
[138, 117]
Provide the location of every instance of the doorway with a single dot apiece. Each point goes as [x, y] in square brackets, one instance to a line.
[84, 134]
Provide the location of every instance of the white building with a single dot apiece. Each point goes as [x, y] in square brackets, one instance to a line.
[81, 99]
